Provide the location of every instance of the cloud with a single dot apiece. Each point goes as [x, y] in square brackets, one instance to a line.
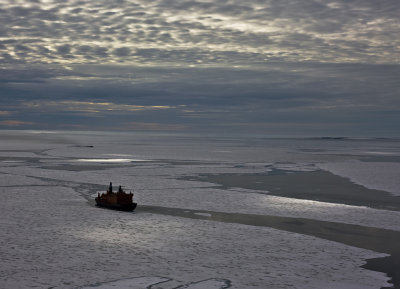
[152, 126]
[273, 85]
[64, 49]
[333, 31]
[203, 63]
[122, 51]
[90, 107]
[15, 123]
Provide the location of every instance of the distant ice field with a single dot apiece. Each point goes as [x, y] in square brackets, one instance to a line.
[48, 181]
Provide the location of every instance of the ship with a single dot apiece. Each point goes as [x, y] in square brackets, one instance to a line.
[119, 200]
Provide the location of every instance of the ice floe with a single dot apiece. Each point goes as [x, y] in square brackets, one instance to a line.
[374, 175]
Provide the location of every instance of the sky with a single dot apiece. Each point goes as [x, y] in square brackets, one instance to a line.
[287, 67]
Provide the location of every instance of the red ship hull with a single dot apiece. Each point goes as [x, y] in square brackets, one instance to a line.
[120, 207]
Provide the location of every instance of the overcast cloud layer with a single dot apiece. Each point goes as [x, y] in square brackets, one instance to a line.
[268, 67]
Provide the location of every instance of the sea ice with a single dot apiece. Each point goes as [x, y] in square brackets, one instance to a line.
[57, 240]
[374, 175]
[53, 237]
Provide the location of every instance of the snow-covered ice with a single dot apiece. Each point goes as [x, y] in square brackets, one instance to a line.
[373, 175]
[51, 237]
[61, 242]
